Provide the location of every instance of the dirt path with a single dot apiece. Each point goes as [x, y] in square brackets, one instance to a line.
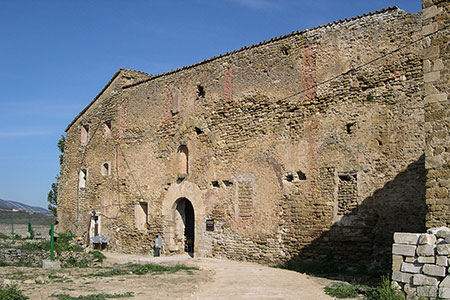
[241, 280]
[215, 279]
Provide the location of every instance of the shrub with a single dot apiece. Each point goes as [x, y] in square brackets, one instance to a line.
[98, 256]
[11, 293]
[384, 291]
[341, 290]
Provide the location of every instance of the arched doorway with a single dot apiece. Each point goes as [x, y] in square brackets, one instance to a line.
[184, 225]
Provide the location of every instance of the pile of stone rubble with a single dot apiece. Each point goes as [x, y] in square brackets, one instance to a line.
[420, 264]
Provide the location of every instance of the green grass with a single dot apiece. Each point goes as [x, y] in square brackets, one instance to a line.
[98, 256]
[4, 236]
[341, 290]
[383, 291]
[141, 270]
[11, 293]
[61, 244]
[100, 296]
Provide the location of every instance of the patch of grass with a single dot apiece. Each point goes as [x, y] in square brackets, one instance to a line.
[341, 290]
[3, 263]
[100, 296]
[384, 291]
[141, 270]
[4, 236]
[98, 256]
[11, 293]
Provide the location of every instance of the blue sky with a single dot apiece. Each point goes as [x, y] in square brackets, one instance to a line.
[56, 56]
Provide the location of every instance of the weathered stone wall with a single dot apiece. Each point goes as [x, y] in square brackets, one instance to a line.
[307, 146]
[436, 64]
[420, 264]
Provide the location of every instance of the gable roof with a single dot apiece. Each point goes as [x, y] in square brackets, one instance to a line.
[121, 70]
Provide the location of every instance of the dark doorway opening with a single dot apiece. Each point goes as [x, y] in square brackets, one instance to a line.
[186, 210]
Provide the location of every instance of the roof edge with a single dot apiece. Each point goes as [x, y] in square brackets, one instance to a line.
[281, 37]
[95, 99]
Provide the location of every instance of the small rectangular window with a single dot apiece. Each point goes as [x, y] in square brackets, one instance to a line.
[82, 178]
[141, 211]
[107, 129]
[105, 169]
[84, 134]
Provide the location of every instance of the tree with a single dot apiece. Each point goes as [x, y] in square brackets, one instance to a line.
[52, 196]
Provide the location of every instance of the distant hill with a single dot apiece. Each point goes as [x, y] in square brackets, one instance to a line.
[20, 206]
[22, 213]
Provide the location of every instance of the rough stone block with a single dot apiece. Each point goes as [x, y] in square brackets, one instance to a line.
[426, 259]
[48, 264]
[444, 292]
[402, 277]
[430, 12]
[420, 279]
[410, 259]
[443, 249]
[427, 239]
[433, 270]
[430, 28]
[406, 238]
[397, 261]
[411, 268]
[431, 52]
[442, 261]
[410, 289]
[427, 291]
[425, 250]
[436, 98]
[432, 76]
[407, 250]
[445, 282]
[439, 232]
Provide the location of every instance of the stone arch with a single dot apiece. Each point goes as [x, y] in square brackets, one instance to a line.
[175, 194]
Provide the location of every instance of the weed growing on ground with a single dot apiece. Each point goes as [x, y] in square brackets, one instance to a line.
[11, 293]
[3, 236]
[382, 292]
[98, 256]
[141, 270]
[341, 290]
[100, 296]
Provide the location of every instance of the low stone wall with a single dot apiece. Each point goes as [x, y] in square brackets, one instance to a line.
[420, 264]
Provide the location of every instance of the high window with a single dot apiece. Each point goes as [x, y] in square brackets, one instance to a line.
[183, 159]
[82, 178]
[106, 169]
[84, 134]
[141, 213]
[107, 129]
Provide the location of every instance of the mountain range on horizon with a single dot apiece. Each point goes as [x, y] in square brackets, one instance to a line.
[10, 204]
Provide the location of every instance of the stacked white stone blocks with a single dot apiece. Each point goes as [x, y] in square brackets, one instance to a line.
[420, 264]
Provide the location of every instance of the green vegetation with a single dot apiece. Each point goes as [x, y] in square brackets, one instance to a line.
[341, 290]
[382, 292]
[61, 244]
[100, 296]
[98, 256]
[3, 236]
[53, 193]
[141, 270]
[11, 293]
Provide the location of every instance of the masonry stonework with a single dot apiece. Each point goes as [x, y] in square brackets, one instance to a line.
[309, 146]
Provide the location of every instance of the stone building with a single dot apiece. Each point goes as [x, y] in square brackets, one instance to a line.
[309, 146]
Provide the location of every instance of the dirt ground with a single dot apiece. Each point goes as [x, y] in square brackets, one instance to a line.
[22, 230]
[216, 279]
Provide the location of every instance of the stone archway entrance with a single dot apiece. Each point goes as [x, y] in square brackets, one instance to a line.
[184, 218]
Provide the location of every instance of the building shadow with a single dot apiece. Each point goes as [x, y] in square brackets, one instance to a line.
[361, 241]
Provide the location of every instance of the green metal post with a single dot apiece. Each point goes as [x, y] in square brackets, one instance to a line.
[52, 257]
[12, 229]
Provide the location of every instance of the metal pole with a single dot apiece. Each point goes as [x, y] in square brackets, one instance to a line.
[12, 229]
[52, 257]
